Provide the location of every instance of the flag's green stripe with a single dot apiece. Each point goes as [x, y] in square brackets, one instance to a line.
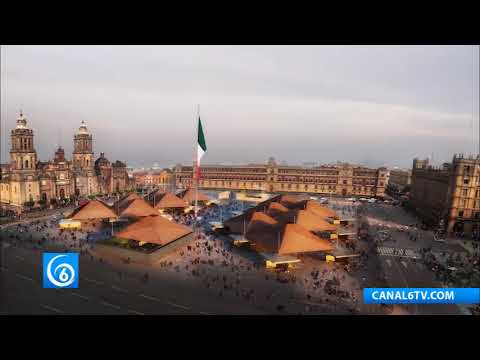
[201, 137]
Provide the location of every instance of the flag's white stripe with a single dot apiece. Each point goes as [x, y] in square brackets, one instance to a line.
[200, 153]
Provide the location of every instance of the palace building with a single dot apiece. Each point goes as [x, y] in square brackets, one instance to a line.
[27, 180]
[340, 179]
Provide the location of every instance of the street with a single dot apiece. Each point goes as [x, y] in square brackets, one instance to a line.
[102, 291]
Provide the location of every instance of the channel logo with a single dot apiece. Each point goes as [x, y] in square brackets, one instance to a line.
[421, 295]
[60, 270]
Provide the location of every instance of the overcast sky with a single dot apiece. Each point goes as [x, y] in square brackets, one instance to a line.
[370, 104]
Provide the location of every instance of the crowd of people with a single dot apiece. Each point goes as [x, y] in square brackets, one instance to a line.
[454, 269]
[240, 274]
[45, 233]
[227, 271]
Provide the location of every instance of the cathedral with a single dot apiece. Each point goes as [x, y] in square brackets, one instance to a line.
[26, 180]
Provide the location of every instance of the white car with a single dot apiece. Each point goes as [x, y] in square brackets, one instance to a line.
[352, 199]
[372, 200]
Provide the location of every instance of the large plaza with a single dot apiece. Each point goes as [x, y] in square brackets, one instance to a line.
[211, 275]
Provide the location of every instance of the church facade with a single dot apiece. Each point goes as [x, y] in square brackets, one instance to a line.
[25, 179]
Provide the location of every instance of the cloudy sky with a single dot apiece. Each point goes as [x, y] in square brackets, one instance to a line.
[366, 104]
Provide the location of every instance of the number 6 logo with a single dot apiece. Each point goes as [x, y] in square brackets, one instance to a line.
[62, 275]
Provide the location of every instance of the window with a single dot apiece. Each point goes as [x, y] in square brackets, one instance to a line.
[464, 203]
[465, 192]
[344, 182]
[466, 181]
[460, 213]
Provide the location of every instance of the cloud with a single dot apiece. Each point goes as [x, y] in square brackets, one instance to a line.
[296, 103]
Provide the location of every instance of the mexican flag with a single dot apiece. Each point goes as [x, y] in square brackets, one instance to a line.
[201, 146]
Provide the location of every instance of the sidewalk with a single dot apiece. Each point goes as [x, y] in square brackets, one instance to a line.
[24, 221]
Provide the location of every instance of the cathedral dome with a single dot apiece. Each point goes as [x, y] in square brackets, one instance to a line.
[102, 161]
[83, 128]
[21, 121]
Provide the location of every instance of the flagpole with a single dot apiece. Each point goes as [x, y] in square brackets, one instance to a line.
[196, 170]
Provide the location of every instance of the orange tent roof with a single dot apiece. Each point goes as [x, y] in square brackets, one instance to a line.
[138, 208]
[169, 200]
[277, 207]
[261, 222]
[127, 199]
[189, 196]
[320, 210]
[312, 222]
[262, 230]
[262, 217]
[280, 212]
[293, 201]
[93, 210]
[154, 230]
[287, 239]
[296, 239]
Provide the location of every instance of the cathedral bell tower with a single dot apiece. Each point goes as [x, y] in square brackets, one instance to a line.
[83, 149]
[23, 157]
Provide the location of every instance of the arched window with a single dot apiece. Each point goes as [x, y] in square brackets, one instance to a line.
[26, 164]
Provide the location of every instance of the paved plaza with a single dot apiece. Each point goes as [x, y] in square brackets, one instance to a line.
[210, 276]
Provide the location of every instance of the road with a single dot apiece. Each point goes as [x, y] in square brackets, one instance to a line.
[406, 272]
[400, 259]
[102, 291]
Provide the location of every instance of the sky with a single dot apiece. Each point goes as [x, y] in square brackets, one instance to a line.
[376, 105]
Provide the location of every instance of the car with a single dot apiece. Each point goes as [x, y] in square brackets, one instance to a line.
[372, 200]
[352, 199]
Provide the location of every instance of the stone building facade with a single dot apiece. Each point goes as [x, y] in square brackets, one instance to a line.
[341, 179]
[153, 178]
[448, 195]
[399, 179]
[25, 179]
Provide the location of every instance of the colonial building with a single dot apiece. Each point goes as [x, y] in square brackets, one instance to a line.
[449, 194]
[341, 179]
[26, 179]
[157, 178]
[399, 179]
